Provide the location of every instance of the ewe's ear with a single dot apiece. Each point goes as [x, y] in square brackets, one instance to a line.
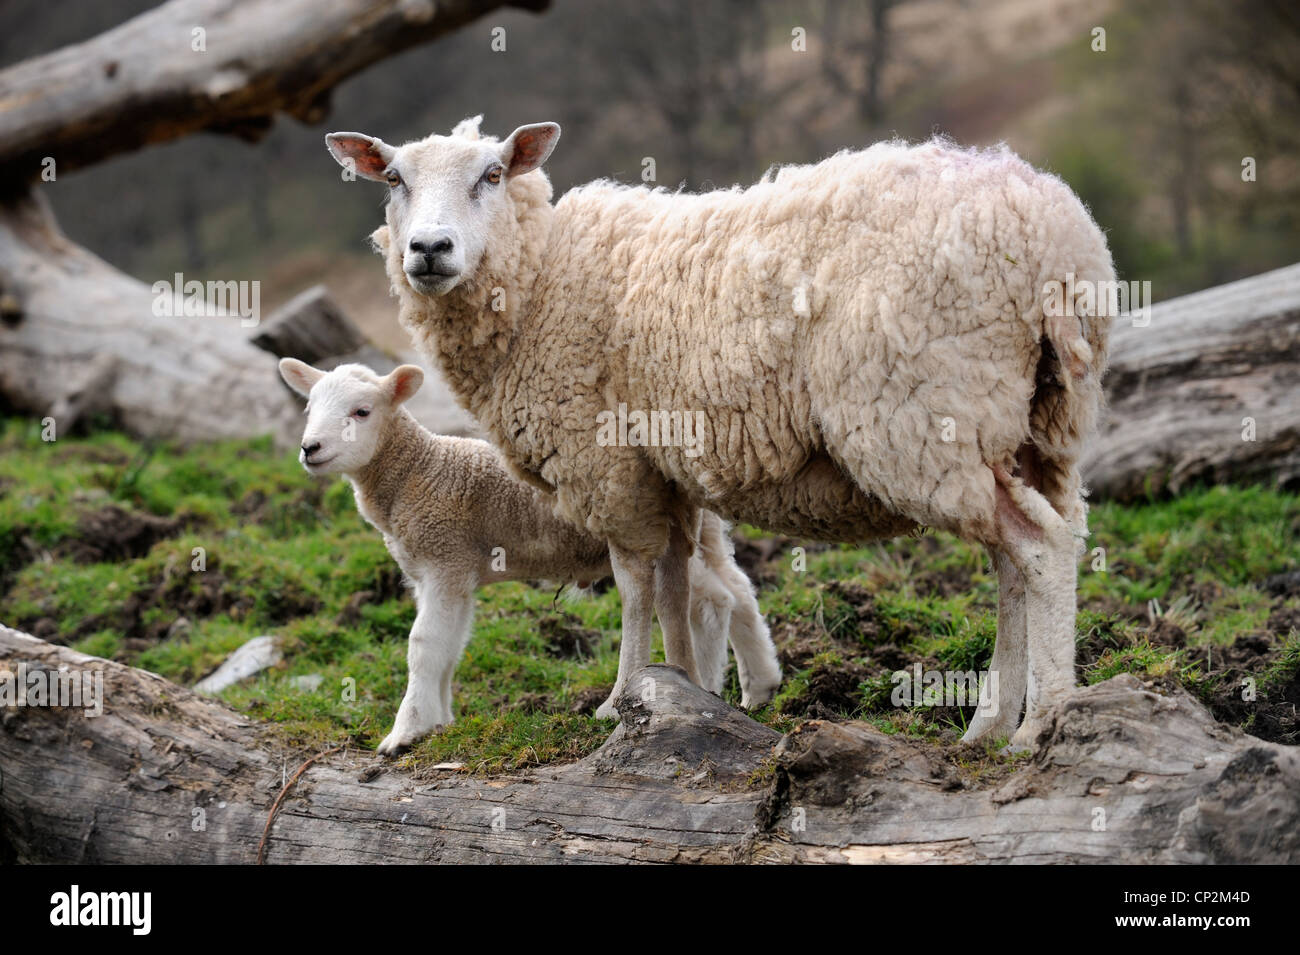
[528, 147]
[404, 381]
[368, 156]
[299, 375]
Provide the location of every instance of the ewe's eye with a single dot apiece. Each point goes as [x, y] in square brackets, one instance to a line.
[362, 412]
[493, 175]
[393, 178]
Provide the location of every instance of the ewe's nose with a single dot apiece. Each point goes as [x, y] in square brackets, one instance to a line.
[310, 449]
[437, 242]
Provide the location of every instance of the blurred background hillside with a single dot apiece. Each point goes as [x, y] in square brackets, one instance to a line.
[1151, 132]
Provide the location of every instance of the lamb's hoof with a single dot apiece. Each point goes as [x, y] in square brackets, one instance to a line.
[756, 697]
[606, 710]
[394, 745]
[398, 742]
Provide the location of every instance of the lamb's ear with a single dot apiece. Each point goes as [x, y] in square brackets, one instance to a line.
[379, 240]
[367, 156]
[299, 375]
[528, 147]
[404, 381]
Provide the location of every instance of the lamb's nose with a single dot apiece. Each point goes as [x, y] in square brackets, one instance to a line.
[310, 449]
[435, 243]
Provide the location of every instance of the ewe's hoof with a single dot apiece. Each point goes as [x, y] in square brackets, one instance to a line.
[606, 710]
[1025, 738]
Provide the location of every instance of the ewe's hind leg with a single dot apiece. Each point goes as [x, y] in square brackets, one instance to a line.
[1010, 657]
[1039, 542]
[672, 602]
[443, 620]
[635, 578]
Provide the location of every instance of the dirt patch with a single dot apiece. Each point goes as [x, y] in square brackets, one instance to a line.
[566, 638]
[113, 533]
[586, 701]
[158, 611]
[1254, 689]
[1283, 585]
[833, 691]
[944, 583]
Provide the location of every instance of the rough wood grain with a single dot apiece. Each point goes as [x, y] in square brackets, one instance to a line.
[1181, 388]
[144, 82]
[683, 779]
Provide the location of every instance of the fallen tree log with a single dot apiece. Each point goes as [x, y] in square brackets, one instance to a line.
[154, 78]
[1123, 773]
[80, 338]
[1208, 391]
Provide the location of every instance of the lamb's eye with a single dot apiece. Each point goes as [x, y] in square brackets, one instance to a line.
[393, 178]
[493, 175]
[362, 412]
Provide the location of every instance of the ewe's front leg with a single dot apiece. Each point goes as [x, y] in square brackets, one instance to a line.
[672, 603]
[443, 623]
[1006, 695]
[635, 578]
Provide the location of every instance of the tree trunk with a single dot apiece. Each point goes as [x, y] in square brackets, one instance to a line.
[1208, 392]
[162, 775]
[80, 336]
[191, 65]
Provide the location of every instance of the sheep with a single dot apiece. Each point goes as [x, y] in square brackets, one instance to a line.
[454, 518]
[871, 340]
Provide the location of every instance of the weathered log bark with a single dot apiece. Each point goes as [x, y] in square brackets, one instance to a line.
[1123, 774]
[82, 338]
[312, 327]
[1208, 392]
[144, 82]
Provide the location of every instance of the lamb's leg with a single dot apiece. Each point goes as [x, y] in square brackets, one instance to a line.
[1009, 667]
[1040, 544]
[756, 662]
[635, 578]
[672, 602]
[711, 605]
[444, 615]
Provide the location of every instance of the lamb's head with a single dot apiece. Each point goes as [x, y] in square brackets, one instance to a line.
[448, 195]
[348, 411]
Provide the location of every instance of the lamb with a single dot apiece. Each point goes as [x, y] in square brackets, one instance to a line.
[875, 343]
[453, 518]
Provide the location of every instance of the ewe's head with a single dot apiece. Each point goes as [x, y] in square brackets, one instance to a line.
[347, 411]
[447, 194]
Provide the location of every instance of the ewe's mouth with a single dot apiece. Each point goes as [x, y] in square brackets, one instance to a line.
[310, 465]
[432, 282]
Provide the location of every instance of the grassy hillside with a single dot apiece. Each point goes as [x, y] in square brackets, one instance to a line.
[98, 538]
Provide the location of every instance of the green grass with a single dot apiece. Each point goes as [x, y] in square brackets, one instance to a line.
[286, 554]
